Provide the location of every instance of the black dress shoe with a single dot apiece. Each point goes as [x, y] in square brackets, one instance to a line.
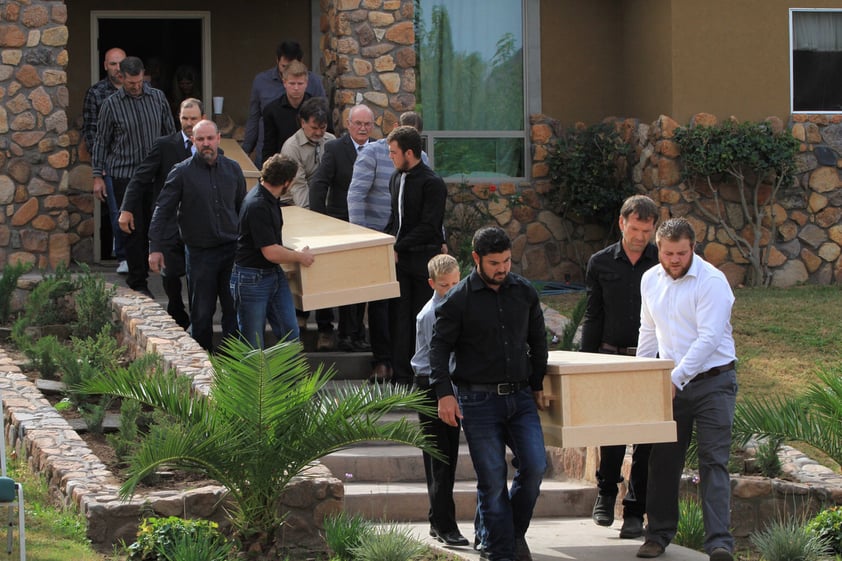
[452, 538]
[650, 550]
[632, 527]
[603, 510]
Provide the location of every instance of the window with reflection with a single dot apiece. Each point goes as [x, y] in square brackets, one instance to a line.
[816, 42]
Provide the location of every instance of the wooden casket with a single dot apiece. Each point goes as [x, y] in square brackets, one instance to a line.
[353, 264]
[233, 150]
[601, 399]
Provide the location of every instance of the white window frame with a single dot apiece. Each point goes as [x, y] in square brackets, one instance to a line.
[531, 10]
[792, 109]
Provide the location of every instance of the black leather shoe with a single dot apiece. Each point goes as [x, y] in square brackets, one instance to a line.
[452, 538]
[603, 510]
[632, 528]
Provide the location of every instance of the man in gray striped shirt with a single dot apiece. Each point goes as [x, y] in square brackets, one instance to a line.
[129, 122]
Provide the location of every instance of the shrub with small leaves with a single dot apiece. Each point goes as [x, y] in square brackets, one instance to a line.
[767, 458]
[44, 356]
[93, 304]
[8, 282]
[788, 540]
[827, 525]
[157, 538]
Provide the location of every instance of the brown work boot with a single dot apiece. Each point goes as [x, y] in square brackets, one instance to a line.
[650, 549]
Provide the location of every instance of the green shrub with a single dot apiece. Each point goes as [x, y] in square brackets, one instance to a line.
[569, 331]
[125, 440]
[48, 303]
[158, 538]
[827, 525]
[389, 543]
[767, 458]
[788, 541]
[93, 304]
[203, 548]
[45, 356]
[691, 525]
[344, 532]
[8, 282]
[86, 358]
[590, 167]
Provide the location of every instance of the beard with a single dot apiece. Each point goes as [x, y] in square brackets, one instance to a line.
[208, 155]
[491, 280]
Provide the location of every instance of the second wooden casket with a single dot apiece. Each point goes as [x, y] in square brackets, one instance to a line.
[602, 400]
[232, 149]
[353, 264]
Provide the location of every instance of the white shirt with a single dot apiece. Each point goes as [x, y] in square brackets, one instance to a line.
[687, 320]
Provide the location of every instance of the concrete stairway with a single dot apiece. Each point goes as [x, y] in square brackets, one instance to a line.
[386, 481]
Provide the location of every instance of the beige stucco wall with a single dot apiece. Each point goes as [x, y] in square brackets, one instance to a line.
[243, 41]
[581, 59]
[647, 64]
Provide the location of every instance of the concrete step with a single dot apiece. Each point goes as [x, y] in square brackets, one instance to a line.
[404, 501]
[389, 464]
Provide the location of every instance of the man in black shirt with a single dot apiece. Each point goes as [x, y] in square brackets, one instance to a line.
[492, 321]
[611, 325]
[418, 197]
[203, 194]
[258, 284]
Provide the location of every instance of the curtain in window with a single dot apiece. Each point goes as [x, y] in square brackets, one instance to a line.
[817, 31]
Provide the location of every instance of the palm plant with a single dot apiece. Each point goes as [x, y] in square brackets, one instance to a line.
[264, 421]
[813, 417]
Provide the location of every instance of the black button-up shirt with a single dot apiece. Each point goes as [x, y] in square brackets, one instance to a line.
[613, 312]
[205, 198]
[260, 226]
[496, 336]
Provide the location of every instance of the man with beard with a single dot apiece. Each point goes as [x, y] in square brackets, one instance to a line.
[204, 193]
[418, 201]
[146, 184]
[493, 323]
[685, 317]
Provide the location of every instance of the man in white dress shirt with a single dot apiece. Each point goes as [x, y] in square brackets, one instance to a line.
[685, 316]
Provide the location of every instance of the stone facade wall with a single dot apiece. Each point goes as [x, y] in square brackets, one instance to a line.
[52, 448]
[368, 56]
[48, 210]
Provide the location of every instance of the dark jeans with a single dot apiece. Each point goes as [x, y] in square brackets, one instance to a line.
[209, 275]
[351, 322]
[709, 404]
[136, 244]
[608, 476]
[440, 475]
[115, 189]
[261, 295]
[415, 292]
[490, 423]
[378, 332]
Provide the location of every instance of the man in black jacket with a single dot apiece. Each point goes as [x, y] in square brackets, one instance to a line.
[146, 184]
[329, 195]
[204, 194]
[418, 202]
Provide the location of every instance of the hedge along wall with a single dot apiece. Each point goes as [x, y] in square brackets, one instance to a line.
[809, 233]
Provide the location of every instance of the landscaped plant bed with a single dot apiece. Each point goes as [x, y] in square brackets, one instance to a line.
[39, 433]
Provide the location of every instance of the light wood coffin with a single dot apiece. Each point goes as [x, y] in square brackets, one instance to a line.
[233, 150]
[353, 264]
[602, 400]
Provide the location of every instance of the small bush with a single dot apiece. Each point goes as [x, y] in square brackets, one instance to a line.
[93, 304]
[203, 548]
[691, 524]
[767, 458]
[344, 532]
[158, 538]
[86, 358]
[44, 356]
[569, 331]
[8, 282]
[125, 440]
[788, 541]
[390, 543]
[827, 525]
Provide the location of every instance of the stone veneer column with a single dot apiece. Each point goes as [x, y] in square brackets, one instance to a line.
[368, 56]
[44, 218]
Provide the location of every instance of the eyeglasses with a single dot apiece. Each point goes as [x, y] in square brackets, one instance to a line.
[361, 124]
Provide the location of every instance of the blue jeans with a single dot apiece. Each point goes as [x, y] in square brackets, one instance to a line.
[260, 295]
[209, 276]
[490, 423]
[119, 242]
[709, 404]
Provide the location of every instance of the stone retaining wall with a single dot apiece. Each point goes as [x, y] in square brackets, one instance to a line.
[52, 448]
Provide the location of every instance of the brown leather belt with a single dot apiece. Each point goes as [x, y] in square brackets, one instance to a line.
[715, 371]
[614, 350]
